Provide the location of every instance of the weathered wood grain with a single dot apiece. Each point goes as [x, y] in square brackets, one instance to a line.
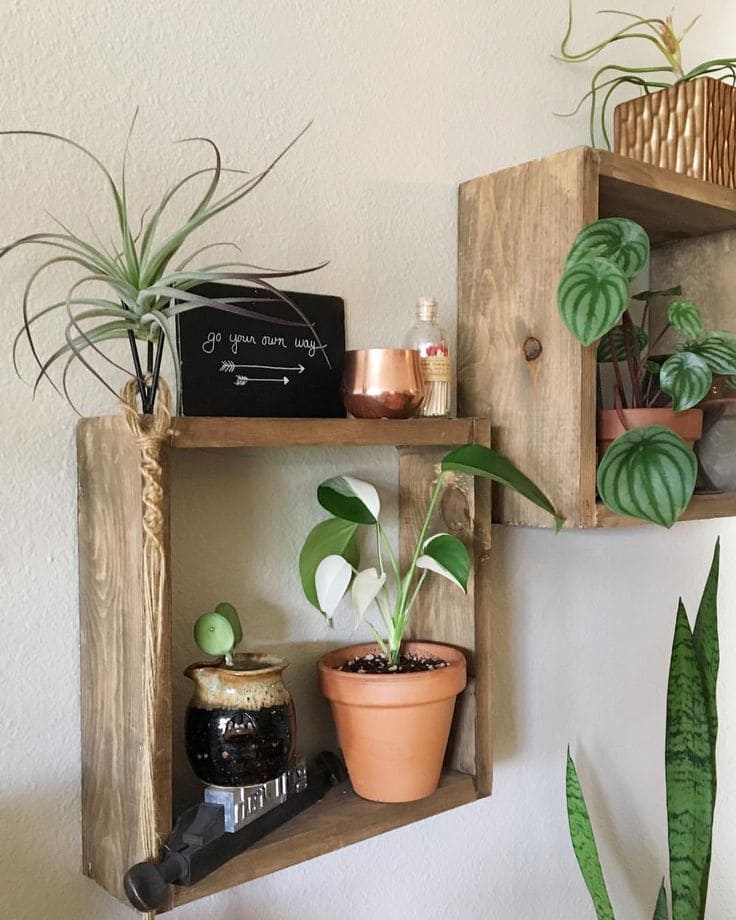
[125, 816]
[701, 508]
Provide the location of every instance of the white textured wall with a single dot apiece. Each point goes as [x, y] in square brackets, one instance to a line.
[408, 99]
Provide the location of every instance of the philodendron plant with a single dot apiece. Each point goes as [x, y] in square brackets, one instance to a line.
[145, 279]
[690, 770]
[329, 563]
[649, 472]
[219, 632]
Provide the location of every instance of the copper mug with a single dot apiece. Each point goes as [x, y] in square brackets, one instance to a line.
[382, 382]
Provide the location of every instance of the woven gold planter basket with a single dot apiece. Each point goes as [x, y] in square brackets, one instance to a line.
[689, 128]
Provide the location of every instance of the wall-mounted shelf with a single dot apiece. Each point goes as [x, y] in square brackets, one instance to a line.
[517, 362]
[126, 706]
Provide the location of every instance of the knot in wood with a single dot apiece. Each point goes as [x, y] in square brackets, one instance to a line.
[455, 511]
[532, 348]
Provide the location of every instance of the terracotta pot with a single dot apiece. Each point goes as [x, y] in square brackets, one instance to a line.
[689, 128]
[393, 728]
[688, 424]
[240, 727]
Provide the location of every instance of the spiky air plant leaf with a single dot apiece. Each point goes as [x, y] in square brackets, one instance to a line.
[145, 294]
[651, 32]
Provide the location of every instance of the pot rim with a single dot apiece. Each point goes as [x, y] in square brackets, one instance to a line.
[455, 659]
[271, 664]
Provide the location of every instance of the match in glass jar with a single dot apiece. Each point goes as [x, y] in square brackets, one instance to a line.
[432, 343]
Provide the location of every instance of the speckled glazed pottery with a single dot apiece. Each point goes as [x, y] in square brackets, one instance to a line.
[393, 728]
[240, 727]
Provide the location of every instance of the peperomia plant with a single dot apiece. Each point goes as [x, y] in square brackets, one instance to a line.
[690, 769]
[648, 32]
[649, 472]
[329, 563]
[219, 632]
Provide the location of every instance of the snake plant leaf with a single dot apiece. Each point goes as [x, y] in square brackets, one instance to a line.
[619, 344]
[583, 842]
[689, 769]
[685, 377]
[592, 296]
[447, 556]
[622, 241]
[350, 499]
[366, 587]
[718, 350]
[331, 581]
[214, 634]
[705, 640]
[478, 460]
[328, 538]
[231, 615]
[648, 473]
[660, 910]
[685, 317]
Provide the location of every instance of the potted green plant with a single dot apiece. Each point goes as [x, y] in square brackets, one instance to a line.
[148, 278]
[680, 118]
[240, 725]
[690, 770]
[393, 701]
[647, 468]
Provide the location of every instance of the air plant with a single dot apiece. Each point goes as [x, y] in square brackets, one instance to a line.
[145, 289]
[607, 80]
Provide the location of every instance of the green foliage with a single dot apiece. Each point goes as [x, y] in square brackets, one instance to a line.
[147, 289]
[648, 473]
[328, 563]
[718, 350]
[665, 71]
[583, 842]
[690, 768]
[605, 351]
[621, 241]
[686, 378]
[685, 318]
[219, 632]
[592, 296]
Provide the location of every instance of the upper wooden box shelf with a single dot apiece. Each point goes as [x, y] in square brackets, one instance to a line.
[517, 362]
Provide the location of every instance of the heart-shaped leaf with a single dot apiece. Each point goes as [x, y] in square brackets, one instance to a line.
[350, 499]
[648, 473]
[332, 537]
[686, 378]
[231, 615]
[478, 460]
[685, 317]
[592, 296]
[718, 350]
[214, 634]
[447, 556]
[366, 587]
[331, 581]
[617, 333]
[622, 241]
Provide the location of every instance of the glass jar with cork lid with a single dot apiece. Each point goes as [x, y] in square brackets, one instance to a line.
[432, 343]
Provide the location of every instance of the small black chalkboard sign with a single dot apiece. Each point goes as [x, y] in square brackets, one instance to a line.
[235, 365]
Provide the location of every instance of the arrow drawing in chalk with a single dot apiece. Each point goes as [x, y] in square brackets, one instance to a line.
[229, 367]
[241, 380]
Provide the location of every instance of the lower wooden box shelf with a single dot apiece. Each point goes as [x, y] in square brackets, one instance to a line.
[125, 650]
[701, 507]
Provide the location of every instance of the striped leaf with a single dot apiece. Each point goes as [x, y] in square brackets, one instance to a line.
[718, 350]
[660, 910]
[591, 297]
[688, 769]
[705, 640]
[648, 473]
[686, 378]
[622, 241]
[617, 334]
[583, 842]
[685, 317]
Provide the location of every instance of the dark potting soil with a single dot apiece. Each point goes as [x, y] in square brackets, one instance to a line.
[378, 664]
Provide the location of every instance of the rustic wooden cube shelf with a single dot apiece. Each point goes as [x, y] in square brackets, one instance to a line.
[126, 704]
[518, 363]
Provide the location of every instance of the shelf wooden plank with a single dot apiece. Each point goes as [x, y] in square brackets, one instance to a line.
[340, 819]
[296, 432]
[701, 508]
[670, 206]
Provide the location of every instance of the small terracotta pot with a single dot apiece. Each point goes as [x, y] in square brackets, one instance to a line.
[393, 728]
[688, 424]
